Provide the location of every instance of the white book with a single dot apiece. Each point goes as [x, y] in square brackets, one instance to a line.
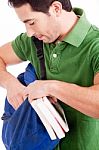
[51, 119]
[44, 120]
[60, 120]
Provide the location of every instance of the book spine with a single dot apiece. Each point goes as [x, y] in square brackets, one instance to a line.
[53, 122]
[63, 124]
[44, 120]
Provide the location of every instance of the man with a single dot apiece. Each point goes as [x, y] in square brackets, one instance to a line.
[71, 50]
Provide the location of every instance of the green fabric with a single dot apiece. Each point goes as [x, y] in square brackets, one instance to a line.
[74, 60]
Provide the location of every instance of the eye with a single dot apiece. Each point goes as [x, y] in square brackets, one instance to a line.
[32, 23]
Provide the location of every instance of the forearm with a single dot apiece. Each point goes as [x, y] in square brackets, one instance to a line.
[5, 77]
[84, 99]
[15, 90]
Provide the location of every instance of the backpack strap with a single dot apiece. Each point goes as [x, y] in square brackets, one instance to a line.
[40, 55]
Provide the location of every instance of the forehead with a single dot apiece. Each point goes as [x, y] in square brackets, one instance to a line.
[25, 12]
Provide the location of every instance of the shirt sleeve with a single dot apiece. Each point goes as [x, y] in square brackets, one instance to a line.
[94, 56]
[21, 46]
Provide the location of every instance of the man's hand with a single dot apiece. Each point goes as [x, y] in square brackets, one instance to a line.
[15, 93]
[37, 89]
[8, 81]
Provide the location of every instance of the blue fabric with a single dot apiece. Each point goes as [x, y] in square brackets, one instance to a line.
[22, 128]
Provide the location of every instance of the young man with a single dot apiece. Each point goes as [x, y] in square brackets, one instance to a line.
[71, 50]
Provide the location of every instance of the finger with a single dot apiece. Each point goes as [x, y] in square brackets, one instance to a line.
[13, 102]
[25, 97]
[52, 99]
[20, 99]
[17, 102]
[25, 92]
[30, 99]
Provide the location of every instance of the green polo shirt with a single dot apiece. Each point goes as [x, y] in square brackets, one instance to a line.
[73, 60]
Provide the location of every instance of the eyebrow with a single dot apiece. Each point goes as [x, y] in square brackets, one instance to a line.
[27, 20]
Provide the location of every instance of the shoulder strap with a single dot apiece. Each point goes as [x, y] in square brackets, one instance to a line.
[40, 55]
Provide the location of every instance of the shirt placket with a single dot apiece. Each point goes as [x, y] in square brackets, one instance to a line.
[54, 60]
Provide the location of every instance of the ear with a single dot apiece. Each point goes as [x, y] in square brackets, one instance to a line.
[56, 8]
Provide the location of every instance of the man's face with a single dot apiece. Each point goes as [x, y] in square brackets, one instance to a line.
[43, 26]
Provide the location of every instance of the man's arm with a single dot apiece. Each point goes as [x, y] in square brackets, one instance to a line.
[14, 87]
[84, 99]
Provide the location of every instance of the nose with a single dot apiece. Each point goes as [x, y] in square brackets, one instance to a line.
[30, 31]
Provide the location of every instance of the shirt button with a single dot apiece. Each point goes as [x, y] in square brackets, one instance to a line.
[54, 55]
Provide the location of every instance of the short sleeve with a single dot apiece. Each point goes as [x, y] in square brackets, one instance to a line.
[21, 46]
[94, 56]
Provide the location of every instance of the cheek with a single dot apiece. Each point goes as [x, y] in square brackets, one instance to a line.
[44, 25]
[40, 28]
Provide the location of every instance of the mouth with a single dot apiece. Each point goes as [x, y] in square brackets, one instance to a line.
[39, 37]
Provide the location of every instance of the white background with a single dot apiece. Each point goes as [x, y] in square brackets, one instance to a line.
[10, 27]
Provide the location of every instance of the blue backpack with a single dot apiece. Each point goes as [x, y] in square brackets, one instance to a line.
[22, 128]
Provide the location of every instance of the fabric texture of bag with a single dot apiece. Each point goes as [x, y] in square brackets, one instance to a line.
[22, 128]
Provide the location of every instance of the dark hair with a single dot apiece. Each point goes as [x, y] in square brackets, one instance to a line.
[41, 5]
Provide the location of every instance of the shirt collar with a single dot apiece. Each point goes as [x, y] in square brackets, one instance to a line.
[80, 30]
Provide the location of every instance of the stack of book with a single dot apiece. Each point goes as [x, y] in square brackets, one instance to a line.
[54, 123]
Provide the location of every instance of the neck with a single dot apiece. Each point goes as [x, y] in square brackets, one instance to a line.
[67, 25]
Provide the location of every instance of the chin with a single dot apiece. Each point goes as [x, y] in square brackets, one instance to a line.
[47, 41]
